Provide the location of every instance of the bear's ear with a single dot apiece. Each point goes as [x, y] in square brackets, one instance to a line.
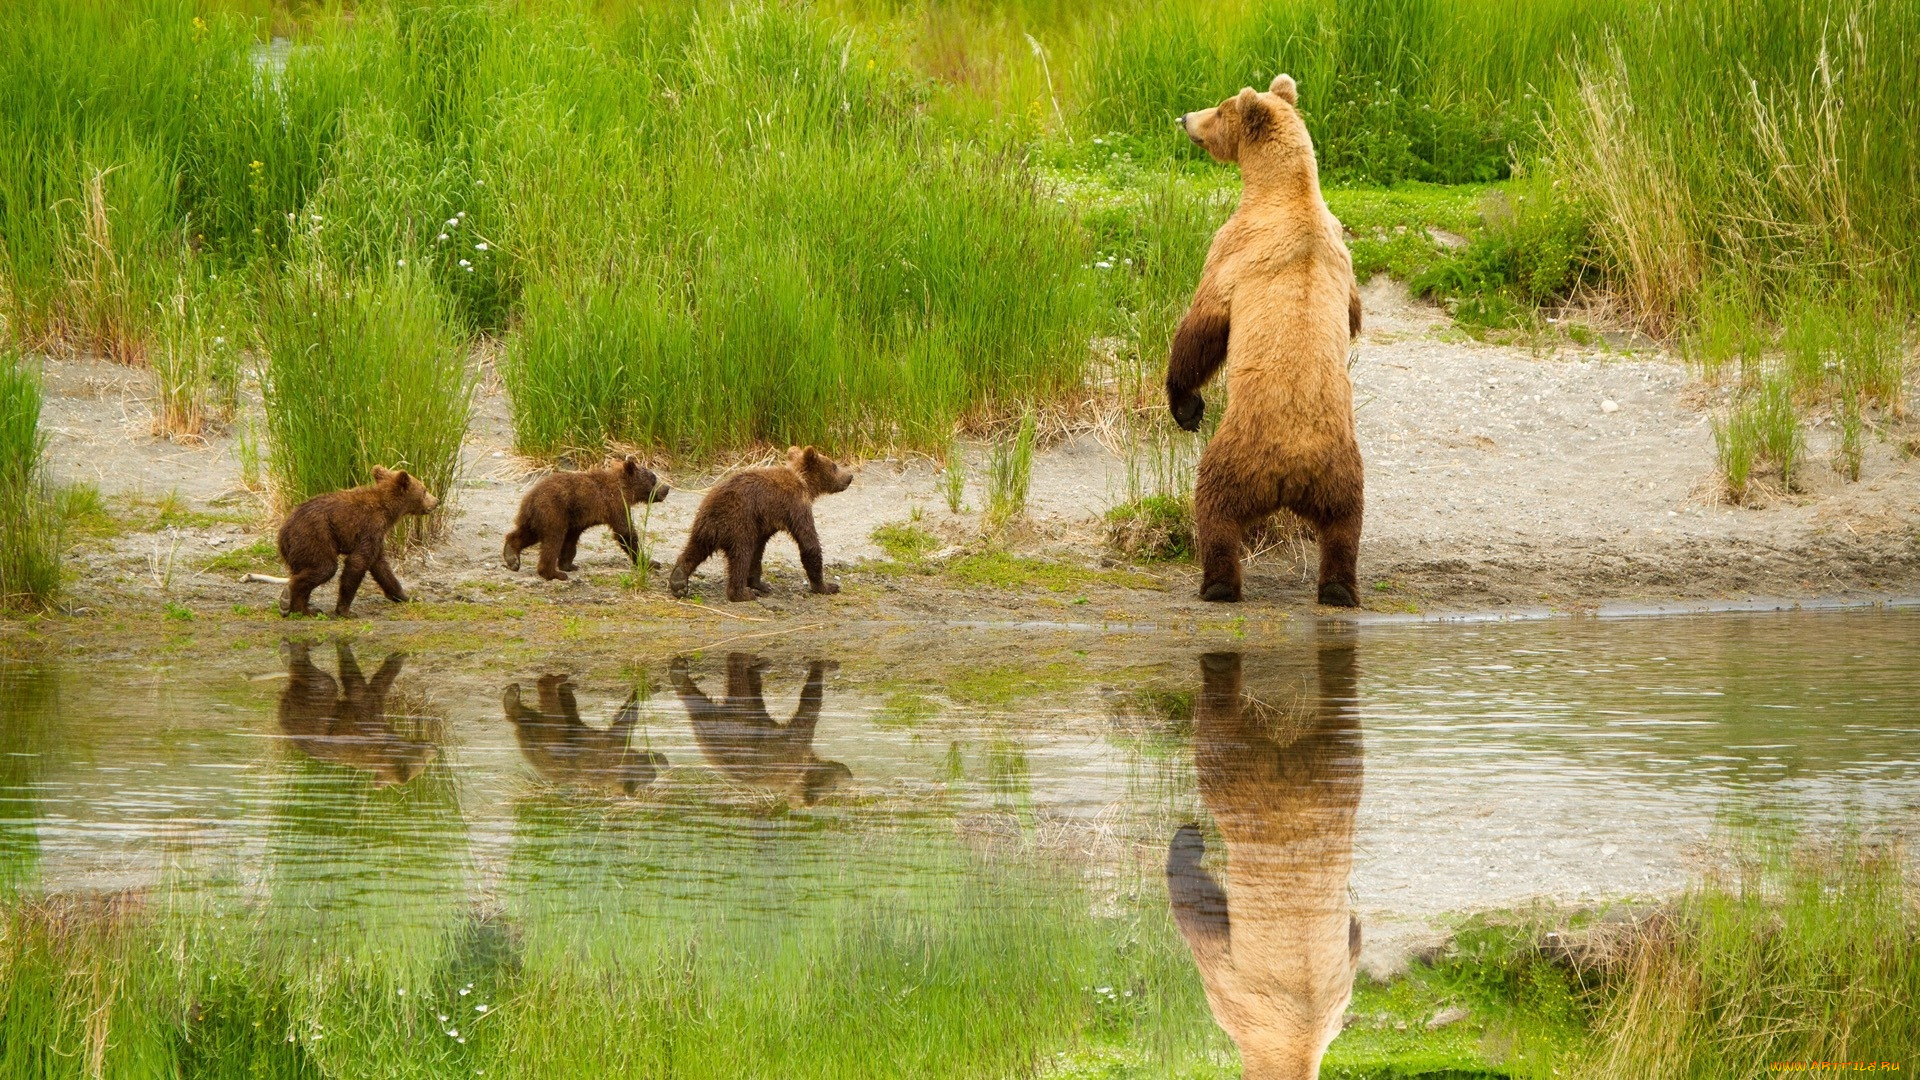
[1253, 114]
[402, 478]
[381, 473]
[1284, 88]
[630, 466]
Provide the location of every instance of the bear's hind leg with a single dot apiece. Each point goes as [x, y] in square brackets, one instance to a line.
[698, 550]
[550, 548]
[301, 583]
[739, 567]
[1217, 534]
[1339, 559]
[510, 549]
[754, 581]
[569, 548]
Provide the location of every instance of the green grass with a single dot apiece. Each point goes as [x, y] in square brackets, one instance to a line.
[261, 556]
[1157, 528]
[698, 226]
[905, 541]
[30, 522]
[362, 370]
[1801, 952]
[1000, 569]
[1010, 473]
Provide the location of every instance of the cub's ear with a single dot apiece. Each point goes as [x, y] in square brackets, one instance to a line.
[402, 478]
[1253, 114]
[1284, 88]
[631, 466]
[810, 455]
[381, 473]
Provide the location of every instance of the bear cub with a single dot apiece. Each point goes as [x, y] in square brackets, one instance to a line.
[566, 504]
[741, 513]
[354, 524]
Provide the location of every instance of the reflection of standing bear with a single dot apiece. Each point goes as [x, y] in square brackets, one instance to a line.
[564, 505]
[566, 751]
[353, 524]
[745, 510]
[1277, 948]
[345, 722]
[740, 739]
[1278, 304]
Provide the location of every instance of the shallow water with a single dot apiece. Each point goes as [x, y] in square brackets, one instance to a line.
[1385, 776]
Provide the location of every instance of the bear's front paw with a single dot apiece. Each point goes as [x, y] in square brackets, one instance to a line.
[510, 557]
[400, 597]
[1187, 410]
[677, 582]
[827, 588]
[569, 566]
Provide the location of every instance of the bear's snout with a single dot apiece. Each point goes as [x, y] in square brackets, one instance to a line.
[660, 492]
[427, 500]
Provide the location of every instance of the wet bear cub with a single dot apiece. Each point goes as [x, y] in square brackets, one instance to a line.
[566, 504]
[351, 524]
[741, 513]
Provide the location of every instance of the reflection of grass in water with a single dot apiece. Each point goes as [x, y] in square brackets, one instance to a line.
[359, 871]
[29, 708]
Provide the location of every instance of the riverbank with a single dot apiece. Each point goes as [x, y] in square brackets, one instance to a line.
[1501, 477]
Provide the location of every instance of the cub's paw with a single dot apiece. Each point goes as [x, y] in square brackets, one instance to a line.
[510, 557]
[760, 587]
[677, 582]
[1187, 410]
[1338, 594]
[828, 588]
[569, 566]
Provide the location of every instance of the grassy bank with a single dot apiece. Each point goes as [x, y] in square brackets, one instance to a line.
[696, 226]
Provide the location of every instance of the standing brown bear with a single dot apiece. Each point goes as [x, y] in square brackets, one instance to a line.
[566, 504]
[1278, 304]
[354, 524]
[744, 511]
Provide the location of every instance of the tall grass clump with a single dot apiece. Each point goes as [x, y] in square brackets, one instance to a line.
[1773, 142]
[360, 371]
[29, 521]
[1799, 954]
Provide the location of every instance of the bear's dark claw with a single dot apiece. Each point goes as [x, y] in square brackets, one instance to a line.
[1188, 410]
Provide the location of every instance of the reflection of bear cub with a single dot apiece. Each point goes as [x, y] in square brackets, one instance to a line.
[353, 523]
[565, 504]
[741, 740]
[346, 722]
[566, 751]
[1277, 948]
[1278, 305]
[745, 510]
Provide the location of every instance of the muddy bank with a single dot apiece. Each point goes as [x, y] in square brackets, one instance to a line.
[1496, 478]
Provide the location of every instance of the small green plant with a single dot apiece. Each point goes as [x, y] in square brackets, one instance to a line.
[1010, 473]
[953, 478]
[176, 612]
[1156, 528]
[905, 541]
[1760, 427]
[642, 571]
[196, 363]
[1851, 449]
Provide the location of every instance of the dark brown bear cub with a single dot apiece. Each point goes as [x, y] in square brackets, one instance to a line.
[741, 513]
[566, 504]
[353, 524]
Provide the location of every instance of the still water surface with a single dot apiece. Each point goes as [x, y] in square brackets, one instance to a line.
[1282, 804]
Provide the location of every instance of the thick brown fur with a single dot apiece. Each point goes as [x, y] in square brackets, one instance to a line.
[345, 722]
[744, 511]
[566, 751]
[352, 524]
[565, 504]
[1278, 946]
[1278, 305]
[741, 739]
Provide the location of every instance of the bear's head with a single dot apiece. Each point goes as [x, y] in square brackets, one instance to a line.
[638, 484]
[1251, 121]
[822, 475]
[403, 491]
